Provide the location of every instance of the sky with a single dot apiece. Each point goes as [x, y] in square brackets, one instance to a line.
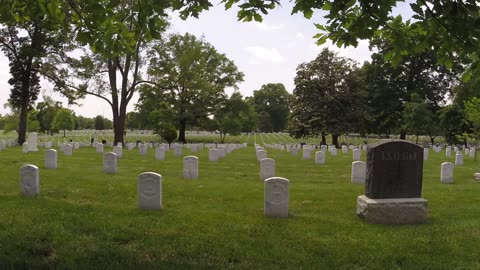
[266, 52]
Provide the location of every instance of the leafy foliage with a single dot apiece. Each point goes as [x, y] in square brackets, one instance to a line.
[328, 97]
[391, 87]
[191, 76]
[63, 120]
[271, 102]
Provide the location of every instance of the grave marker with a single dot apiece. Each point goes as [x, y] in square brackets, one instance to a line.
[393, 185]
[276, 197]
[190, 167]
[149, 191]
[29, 180]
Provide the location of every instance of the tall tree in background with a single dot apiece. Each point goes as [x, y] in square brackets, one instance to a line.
[46, 113]
[191, 76]
[27, 37]
[390, 88]
[235, 116]
[63, 120]
[110, 68]
[328, 97]
[271, 104]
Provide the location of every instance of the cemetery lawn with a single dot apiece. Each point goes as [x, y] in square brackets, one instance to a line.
[85, 219]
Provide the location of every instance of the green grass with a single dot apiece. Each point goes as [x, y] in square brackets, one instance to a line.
[84, 219]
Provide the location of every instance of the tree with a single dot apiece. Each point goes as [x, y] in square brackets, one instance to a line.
[454, 124]
[133, 121]
[273, 99]
[328, 97]
[114, 39]
[417, 118]
[99, 122]
[85, 122]
[191, 76]
[46, 113]
[235, 116]
[63, 120]
[472, 113]
[163, 121]
[28, 37]
[390, 88]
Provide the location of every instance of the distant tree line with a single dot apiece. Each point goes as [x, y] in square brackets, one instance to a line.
[51, 117]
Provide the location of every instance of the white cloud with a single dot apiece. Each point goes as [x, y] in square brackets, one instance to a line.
[300, 35]
[263, 26]
[265, 54]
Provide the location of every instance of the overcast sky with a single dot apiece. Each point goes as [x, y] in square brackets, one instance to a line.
[267, 52]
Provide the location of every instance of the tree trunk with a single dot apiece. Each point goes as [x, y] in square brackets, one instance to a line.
[222, 137]
[64, 133]
[416, 140]
[181, 132]
[335, 140]
[432, 139]
[324, 139]
[118, 128]
[22, 125]
[403, 135]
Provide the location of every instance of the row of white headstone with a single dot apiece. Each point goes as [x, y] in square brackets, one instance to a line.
[276, 196]
[358, 175]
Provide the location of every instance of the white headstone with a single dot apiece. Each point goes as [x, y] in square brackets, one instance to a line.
[222, 151]
[213, 154]
[29, 180]
[357, 154]
[359, 170]
[25, 148]
[267, 168]
[193, 148]
[51, 159]
[190, 167]
[344, 149]
[294, 151]
[261, 154]
[118, 151]
[142, 148]
[159, 153]
[425, 153]
[67, 149]
[446, 173]
[149, 190]
[306, 153]
[289, 148]
[99, 147]
[448, 152]
[177, 150]
[319, 157]
[32, 141]
[276, 197]
[459, 159]
[333, 152]
[110, 163]
[472, 153]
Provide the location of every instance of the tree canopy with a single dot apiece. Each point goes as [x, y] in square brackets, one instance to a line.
[191, 76]
[271, 104]
[328, 97]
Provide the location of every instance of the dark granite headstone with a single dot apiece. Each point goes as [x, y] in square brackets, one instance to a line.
[394, 170]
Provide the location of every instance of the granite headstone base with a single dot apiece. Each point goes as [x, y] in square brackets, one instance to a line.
[392, 211]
